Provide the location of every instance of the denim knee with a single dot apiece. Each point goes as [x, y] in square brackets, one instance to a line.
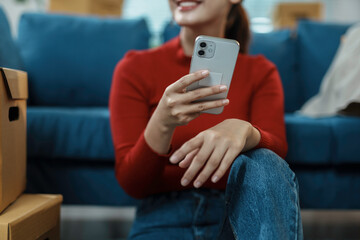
[263, 168]
[262, 197]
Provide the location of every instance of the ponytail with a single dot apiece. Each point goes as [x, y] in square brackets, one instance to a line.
[237, 27]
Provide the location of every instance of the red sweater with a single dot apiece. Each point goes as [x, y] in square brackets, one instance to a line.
[139, 81]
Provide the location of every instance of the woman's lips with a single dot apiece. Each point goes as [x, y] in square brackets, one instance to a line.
[187, 5]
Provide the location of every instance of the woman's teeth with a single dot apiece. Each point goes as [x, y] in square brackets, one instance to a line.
[187, 4]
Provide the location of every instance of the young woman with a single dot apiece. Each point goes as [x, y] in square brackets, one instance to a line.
[179, 161]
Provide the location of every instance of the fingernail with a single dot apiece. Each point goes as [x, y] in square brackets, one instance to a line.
[225, 101]
[222, 87]
[173, 159]
[184, 182]
[197, 184]
[214, 179]
[205, 72]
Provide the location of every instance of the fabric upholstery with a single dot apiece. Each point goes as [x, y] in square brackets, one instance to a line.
[323, 141]
[9, 53]
[329, 187]
[279, 47]
[69, 133]
[70, 59]
[85, 183]
[346, 132]
[309, 140]
[171, 30]
[317, 44]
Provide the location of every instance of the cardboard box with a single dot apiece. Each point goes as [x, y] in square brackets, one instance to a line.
[32, 217]
[286, 14]
[88, 7]
[13, 95]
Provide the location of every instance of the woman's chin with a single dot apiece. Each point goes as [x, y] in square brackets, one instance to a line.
[186, 21]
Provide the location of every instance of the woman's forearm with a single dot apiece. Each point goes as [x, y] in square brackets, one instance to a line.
[158, 136]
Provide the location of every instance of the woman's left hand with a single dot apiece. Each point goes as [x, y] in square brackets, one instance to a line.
[214, 150]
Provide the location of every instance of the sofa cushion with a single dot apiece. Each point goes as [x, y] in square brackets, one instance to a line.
[171, 30]
[310, 140]
[9, 53]
[330, 187]
[323, 141]
[346, 131]
[279, 47]
[70, 59]
[317, 44]
[79, 182]
[69, 133]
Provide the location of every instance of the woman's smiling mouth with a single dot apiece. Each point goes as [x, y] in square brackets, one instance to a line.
[187, 5]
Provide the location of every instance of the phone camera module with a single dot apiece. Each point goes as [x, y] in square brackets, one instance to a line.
[201, 52]
[203, 44]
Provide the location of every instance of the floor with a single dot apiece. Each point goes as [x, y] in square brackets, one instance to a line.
[112, 223]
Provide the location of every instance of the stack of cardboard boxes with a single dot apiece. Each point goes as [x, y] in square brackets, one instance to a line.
[22, 216]
[287, 14]
[87, 7]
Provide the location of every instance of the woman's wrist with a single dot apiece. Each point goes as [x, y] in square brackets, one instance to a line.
[158, 135]
[253, 138]
[159, 121]
[252, 134]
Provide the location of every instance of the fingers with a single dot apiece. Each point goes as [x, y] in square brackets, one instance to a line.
[211, 165]
[208, 160]
[185, 81]
[186, 148]
[188, 159]
[186, 113]
[203, 106]
[177, 107]
[198, 162]
[204, 92]
[228, 159]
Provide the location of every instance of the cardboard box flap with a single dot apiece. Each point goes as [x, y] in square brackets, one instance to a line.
[30, 216]
[4, 229]
[16, 82]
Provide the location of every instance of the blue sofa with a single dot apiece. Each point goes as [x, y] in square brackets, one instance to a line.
[70, 62]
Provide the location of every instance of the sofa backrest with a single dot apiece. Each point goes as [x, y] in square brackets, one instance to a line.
[9, 54]
[317, 44]
[280, 48]
[70, 59]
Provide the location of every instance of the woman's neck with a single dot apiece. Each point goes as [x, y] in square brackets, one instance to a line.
[189, 34]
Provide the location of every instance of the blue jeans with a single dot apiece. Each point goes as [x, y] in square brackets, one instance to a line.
[261, 201]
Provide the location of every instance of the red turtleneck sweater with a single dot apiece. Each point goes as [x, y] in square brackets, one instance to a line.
[139, 81]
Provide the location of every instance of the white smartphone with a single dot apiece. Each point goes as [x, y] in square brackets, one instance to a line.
[218, 55]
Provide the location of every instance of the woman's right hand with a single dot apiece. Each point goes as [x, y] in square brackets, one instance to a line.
[177, 107]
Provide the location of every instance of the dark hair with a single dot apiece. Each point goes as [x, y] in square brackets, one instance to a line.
[237, 27]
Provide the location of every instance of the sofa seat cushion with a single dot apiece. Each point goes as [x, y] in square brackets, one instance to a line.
[346, 132]
[80, 182]
[323, 141]
[69, 133]
[70, 59]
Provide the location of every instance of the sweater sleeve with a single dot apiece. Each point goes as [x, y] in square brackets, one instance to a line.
[267, 110]
[129, 114]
